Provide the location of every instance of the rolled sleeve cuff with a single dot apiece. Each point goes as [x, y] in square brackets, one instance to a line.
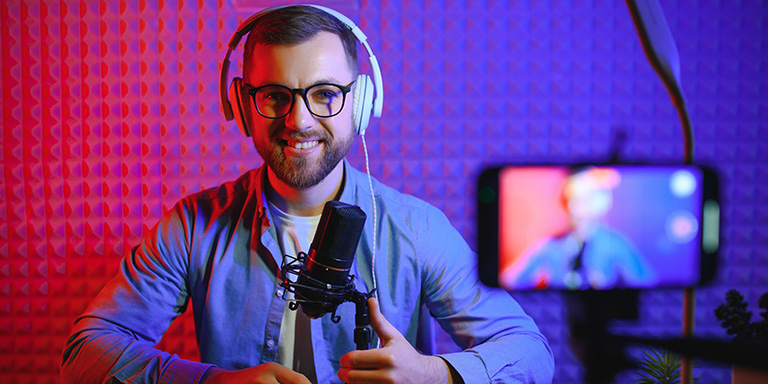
[184, 371]
[469, 365]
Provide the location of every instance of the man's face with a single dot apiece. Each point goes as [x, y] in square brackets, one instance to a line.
[300, 148]
[589, 197]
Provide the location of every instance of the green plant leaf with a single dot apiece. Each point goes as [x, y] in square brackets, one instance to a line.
[659, 368]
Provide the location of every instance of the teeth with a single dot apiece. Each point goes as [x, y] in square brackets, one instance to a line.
[303, 145]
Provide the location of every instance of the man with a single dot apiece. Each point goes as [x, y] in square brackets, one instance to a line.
[221, 248]
[588, 254]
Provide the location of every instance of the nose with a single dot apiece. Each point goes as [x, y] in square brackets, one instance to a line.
[299, 118]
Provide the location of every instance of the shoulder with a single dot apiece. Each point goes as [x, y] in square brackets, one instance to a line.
[216, 201]
[406, 217]
[393, 202]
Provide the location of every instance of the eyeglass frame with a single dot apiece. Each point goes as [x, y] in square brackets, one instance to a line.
[303, 91]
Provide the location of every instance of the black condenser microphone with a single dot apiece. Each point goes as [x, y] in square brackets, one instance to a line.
[323, 281]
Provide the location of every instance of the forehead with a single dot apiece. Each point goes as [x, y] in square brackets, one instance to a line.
[321, 58]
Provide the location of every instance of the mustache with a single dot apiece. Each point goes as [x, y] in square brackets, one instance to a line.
[310, 134]
[317, 134]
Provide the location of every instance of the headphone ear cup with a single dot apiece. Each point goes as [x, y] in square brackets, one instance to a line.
[235, 97]
[363, 103]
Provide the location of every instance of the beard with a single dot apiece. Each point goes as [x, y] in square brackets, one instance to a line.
[302, 172]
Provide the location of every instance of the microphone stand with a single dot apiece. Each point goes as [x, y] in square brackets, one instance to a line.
[661, 50]
[326, 296]
[362, 335]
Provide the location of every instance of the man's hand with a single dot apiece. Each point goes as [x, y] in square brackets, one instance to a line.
[396, 362]
[271, 373]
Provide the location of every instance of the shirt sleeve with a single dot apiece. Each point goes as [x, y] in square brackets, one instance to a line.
[113, 341]
[500, 342]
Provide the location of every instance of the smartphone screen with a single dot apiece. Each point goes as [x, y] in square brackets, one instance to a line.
[597, 226]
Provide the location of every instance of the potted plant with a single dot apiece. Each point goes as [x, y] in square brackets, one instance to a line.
[659, 367]
[736, 319]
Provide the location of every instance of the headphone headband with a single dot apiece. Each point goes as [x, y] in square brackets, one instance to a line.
[247, 26]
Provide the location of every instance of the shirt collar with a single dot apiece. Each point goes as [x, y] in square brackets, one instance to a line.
[261, 182]
[347, 194]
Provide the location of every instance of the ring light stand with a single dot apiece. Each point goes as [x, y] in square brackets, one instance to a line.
[659, 47]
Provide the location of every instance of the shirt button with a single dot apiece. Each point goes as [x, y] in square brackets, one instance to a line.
[270, 343]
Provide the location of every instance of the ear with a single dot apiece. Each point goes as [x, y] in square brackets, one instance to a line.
[236, 96]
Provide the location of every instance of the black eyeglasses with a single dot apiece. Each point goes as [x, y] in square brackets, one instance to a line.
[274, 101]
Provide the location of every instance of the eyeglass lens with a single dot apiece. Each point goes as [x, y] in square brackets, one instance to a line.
[323, 100]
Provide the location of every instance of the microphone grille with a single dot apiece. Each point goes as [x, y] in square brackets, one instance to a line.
[338, 232]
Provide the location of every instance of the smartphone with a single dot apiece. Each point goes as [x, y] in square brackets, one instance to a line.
[597, 227]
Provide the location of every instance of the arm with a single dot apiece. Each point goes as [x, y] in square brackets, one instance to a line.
[535, 268]
[114, 338]
[499, 341]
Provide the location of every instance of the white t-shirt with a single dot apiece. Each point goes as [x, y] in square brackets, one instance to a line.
[294, 234]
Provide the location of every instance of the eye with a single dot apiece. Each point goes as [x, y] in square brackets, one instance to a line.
[278, 97]
[273, 96]
[325, 94]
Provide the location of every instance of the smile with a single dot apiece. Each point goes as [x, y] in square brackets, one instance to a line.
[302, 144]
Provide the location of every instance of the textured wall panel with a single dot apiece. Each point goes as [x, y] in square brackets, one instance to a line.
[111, 114]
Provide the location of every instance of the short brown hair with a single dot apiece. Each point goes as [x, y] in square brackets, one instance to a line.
[296, 24]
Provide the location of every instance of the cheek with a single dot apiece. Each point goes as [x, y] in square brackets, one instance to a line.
[347, 120]
[257, 123]
[339, 126]
[262, 130]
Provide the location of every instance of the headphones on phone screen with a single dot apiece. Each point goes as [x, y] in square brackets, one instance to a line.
[368, 97]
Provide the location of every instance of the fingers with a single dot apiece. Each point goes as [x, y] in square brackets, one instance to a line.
[286, 375]
[377, 365]
[263, 373]
[349, 376]
[370, 359]
[371, 366]
[379, 323]
[292, 378]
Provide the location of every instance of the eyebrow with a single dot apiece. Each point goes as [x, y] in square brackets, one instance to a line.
[326, 80]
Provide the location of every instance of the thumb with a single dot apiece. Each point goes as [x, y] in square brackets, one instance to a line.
[386, 331]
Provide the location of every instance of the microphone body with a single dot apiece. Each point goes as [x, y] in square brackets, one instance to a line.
[323, 282]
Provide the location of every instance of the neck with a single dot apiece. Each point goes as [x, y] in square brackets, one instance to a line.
[584, 230]
[304, 202]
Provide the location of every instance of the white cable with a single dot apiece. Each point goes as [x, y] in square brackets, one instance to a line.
[375, 222]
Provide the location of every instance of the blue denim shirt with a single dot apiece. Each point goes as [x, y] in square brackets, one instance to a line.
[218, 249]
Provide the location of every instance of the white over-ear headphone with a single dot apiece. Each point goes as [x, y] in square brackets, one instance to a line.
[368, 97]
